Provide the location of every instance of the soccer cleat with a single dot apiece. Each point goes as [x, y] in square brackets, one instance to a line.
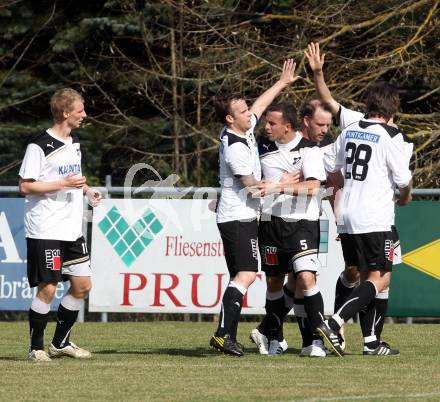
[331, 337]
[382, 350]
[70, 350]
[260, 340]
[341, 338]
[227, 345]
[277, 348]
[38, 356]
[316, 349]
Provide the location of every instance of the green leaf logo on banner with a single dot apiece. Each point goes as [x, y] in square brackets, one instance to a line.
[129, 241]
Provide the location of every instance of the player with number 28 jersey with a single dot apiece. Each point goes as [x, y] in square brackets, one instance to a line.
[371, 156]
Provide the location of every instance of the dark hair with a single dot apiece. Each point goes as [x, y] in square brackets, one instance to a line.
[382, 99]
[223, 105]
[309, 108]
[288, 112]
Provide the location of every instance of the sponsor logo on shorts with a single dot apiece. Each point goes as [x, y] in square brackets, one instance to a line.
[254, 246]
[270, 255]
[53, 259]
[389, 250]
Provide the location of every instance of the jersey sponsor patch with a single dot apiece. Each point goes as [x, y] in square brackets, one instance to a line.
[360, 135]
[53, 259]
[66, 169]
[254, 246]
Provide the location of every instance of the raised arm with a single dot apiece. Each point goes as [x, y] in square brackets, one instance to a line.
[287, 78]
[316, 62]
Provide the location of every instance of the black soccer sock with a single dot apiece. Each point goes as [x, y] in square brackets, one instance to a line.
[288, 304]
[271, 326]
[303, 323]
[359, 299]
[381, 306]
[37, 326]
[65, 320]
[314, 306]
[234, 328]
[289, 299]
[343, 290]
[230, 312]
[367, 318]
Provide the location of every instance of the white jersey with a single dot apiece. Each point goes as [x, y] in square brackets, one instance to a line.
[345, 117]
[56, 215]
[238, 157]
[373, 158]
[298, 154]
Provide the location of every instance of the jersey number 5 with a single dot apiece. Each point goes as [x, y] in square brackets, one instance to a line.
[358, 157]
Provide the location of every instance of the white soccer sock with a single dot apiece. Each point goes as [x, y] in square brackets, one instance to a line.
[71, 303]
[39, 306]
[240, 288]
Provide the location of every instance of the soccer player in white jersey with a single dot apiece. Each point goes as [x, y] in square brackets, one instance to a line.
[237, 210]
[316, 119]
[372, 154]
[349, 278]
[289, 228]
[315, 122]
[52, 181]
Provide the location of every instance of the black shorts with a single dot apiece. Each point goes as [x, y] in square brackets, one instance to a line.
[349, 247]
[397, 249]
[46, 258]
[287, 246]
[374, 251]
[240, 244]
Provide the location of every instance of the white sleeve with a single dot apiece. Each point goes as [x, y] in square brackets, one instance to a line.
[334, 158]
[33, 162]
[313, 164]
[346, 117]
[409, 148]
[254, 122]
[239, 159]
[397, 160]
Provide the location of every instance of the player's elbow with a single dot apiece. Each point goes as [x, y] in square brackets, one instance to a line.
[23, 188]
[315, 189]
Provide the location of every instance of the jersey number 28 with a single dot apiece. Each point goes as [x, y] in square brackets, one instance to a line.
[358, 157]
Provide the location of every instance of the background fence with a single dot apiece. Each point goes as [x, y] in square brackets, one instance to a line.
[167, 286]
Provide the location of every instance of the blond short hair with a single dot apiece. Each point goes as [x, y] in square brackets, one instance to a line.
[62, 100]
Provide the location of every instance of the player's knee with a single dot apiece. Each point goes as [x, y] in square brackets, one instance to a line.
[351, 274]
[80, 289]
[274, 283]
[245, 278]
[306, 279]
[46, 291]
[87, 288]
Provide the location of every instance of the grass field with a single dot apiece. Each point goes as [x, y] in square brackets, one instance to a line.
[171, 361]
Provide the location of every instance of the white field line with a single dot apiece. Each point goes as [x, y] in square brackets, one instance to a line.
[371, 397]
